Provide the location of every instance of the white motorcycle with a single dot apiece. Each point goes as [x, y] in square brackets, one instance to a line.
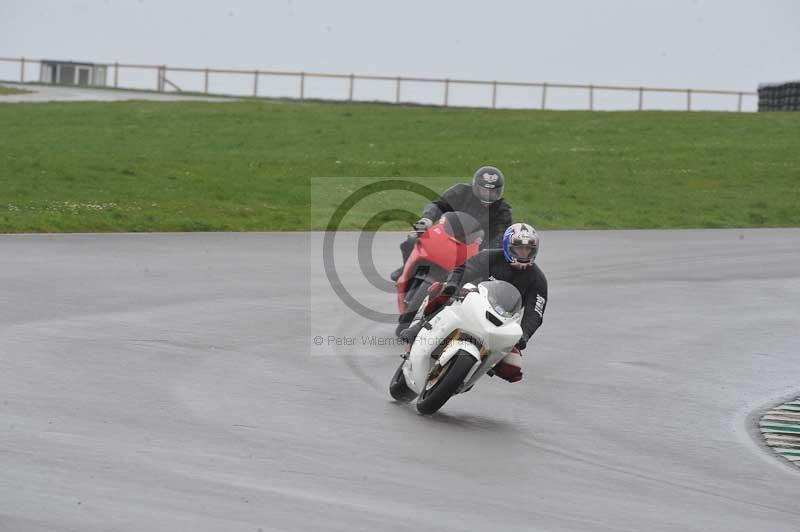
[459, 345]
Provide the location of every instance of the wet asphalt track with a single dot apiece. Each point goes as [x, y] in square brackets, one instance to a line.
[60, 93]
[170, 382]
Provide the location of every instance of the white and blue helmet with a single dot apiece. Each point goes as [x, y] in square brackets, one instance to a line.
[520, 245]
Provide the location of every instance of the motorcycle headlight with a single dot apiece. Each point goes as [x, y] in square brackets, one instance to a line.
[506, 313]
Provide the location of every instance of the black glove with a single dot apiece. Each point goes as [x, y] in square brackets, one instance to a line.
[449, 289]
[522, 343]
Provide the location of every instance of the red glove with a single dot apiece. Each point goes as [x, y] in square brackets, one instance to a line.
[439, 294]
[434, 289]
[435, 303]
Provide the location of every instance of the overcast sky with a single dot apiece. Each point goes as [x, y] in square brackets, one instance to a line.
[722, 44]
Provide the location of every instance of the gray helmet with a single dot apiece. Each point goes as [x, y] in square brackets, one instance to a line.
[487, 184]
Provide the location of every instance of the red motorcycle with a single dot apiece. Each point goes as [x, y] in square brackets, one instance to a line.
[446, 244]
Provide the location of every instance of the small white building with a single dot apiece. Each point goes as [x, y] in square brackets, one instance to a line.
[72, 73]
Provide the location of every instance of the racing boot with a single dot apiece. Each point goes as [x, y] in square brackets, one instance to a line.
[510, 367]
[410, 334]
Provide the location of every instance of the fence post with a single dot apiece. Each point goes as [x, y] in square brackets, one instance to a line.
[544, 96]
[591, 97]
[739, 104]
[446, 91]
[205, 81]
[641, 97]
[116, 74]
[397, 90]
[22, 70]
[688, 99]
[494, 95]
[350, 91]
[302, 85]
[255, 83]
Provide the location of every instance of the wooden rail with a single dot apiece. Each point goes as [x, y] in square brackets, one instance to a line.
[447, 83]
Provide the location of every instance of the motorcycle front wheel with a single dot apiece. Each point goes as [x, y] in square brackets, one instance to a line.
[446, 383]
[414, 302]
[398, 388]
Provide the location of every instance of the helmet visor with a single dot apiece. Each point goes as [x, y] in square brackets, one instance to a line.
[523, 252]
[486, 194]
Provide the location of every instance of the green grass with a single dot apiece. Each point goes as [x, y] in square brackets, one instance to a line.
[5, 91]
[189, 166]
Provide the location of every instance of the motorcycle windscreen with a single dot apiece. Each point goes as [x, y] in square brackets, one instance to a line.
[504, 297]
[463, 227]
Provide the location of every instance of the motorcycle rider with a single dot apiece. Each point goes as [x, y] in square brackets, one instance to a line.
[483, 200]
[514, 263]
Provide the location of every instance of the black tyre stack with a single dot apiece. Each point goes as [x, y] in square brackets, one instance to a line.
[779, 96]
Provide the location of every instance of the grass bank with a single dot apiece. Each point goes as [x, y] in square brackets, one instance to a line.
[156, 166]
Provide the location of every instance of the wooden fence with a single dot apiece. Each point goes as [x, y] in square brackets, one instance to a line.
[162, 83]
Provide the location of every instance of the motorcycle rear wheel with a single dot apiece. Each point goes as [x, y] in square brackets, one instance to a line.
[447, 382]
